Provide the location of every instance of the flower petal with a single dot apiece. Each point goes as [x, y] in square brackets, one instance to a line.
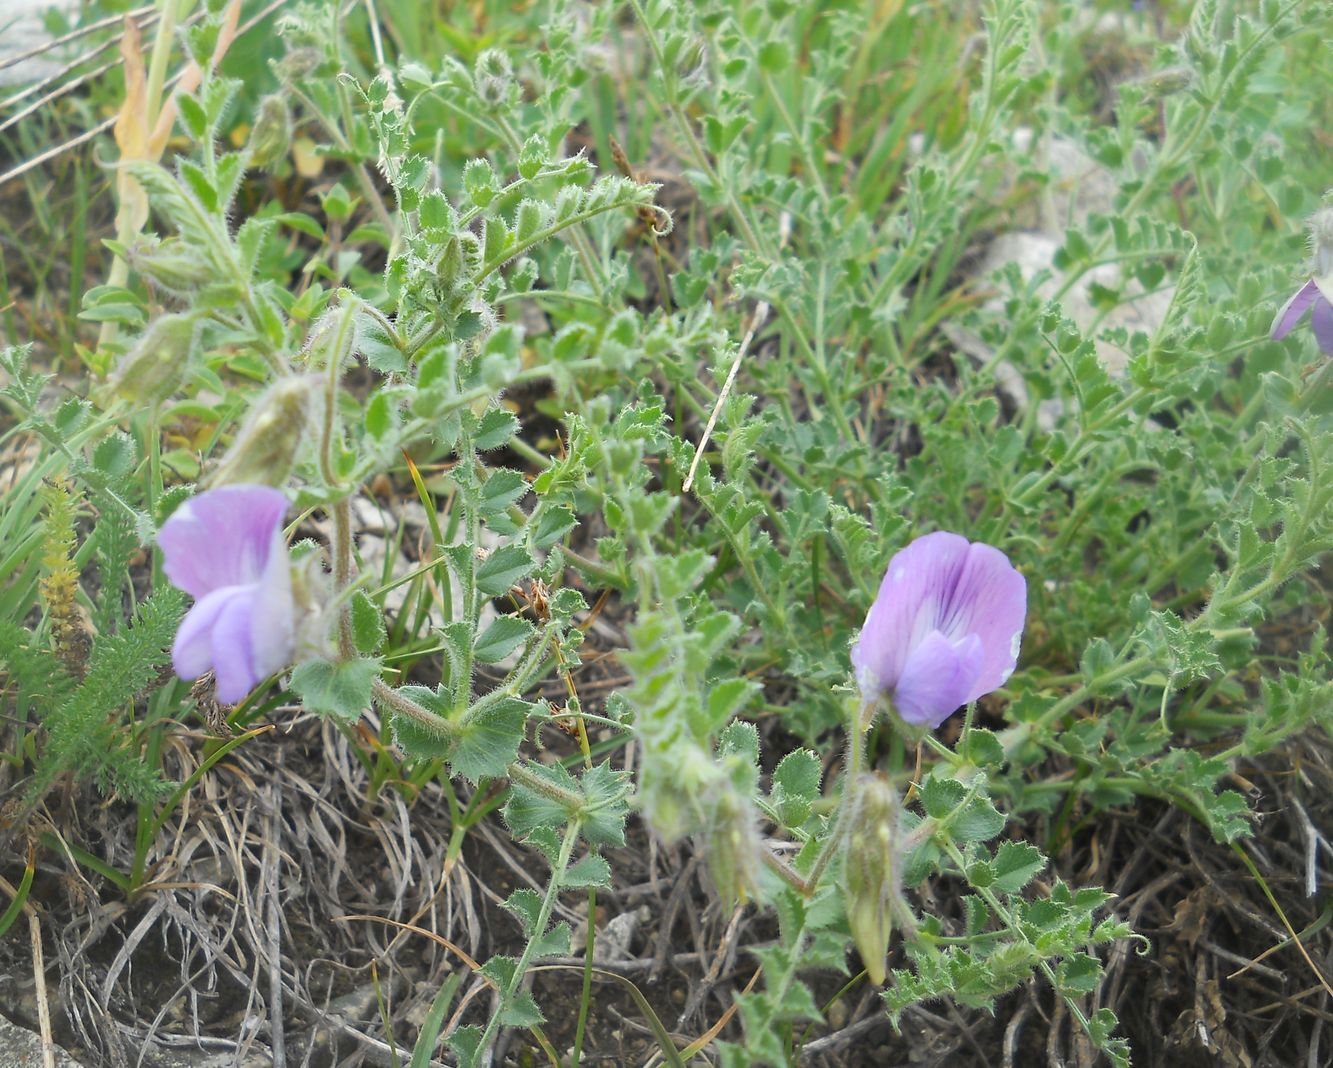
[937, 679]
[1321, 318]
[233, 651]
[221, 538]
[272, 619]
[906, 609]
[192, 651]
[990, 600]
[1290, 313]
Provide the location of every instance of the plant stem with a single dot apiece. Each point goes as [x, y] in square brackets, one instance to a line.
[538, 930]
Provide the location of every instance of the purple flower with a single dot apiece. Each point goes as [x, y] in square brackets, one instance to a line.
[944, 629]
[225, 548]
[1313, 298]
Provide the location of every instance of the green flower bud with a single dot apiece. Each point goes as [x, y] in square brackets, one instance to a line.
[272, 133]
[493, 76]
[872, 884]
[733, 848]
[265, 450]
[449, 271]
[299, 62]
[155, 368]
[171, 265]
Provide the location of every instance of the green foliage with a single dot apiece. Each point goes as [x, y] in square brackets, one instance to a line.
[1115, 417]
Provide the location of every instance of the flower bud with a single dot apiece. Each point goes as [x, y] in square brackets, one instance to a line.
[492, 77]
[171, 265]
[873, 876]
[265, 450]
[733, 848]
[155, 368]
[299, 62]
[449, 271]
[272, 133]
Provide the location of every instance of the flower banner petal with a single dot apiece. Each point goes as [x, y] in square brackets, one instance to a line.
[221, 538]
[907, 607]
[989, 601]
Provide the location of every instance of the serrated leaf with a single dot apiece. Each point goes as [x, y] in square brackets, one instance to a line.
[494, 429]
[592, 870]
[528, 810]
[341, 690]
[501, 489]
[553, 524]
[979, 821]
[523, 1012]
[368, 631]
[488, 743]
[982, 748]
[416, 739]
[739, 739]
[526, 904]
[939, 796]
[554, 943]
[796, 786]
[1015, 865]
[607, 805]
[727, 699]
[465, 1041]
[501, 638]
[504, 567]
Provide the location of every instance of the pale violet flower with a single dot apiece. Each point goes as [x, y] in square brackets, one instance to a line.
[1310, 297]
[944, 629]
[225, 548]
[1317, 294]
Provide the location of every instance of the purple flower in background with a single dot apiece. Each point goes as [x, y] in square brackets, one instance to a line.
[1312, 298]
[225, 548]
[944, 629]
[1315, 296]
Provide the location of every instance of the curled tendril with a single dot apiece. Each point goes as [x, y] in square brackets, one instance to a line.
[662, 214]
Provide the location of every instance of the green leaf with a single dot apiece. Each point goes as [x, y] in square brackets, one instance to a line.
[368, 631]
[504, 567]
[523, 1012]
[526, 904]
[982, 748]
[488, 742]
[739, 739]
[796, 786]
[726, 700]
[494, 429]
[592, 870]
[528, 810]
[1079, 973]
[553, 524]
[939, 796]
[1016, 863]
[340, 690]
[607, 805]
[381, 416]
[416, 739]
[501, 489]
[465, 1041]
[979, 821]
[501, 638]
